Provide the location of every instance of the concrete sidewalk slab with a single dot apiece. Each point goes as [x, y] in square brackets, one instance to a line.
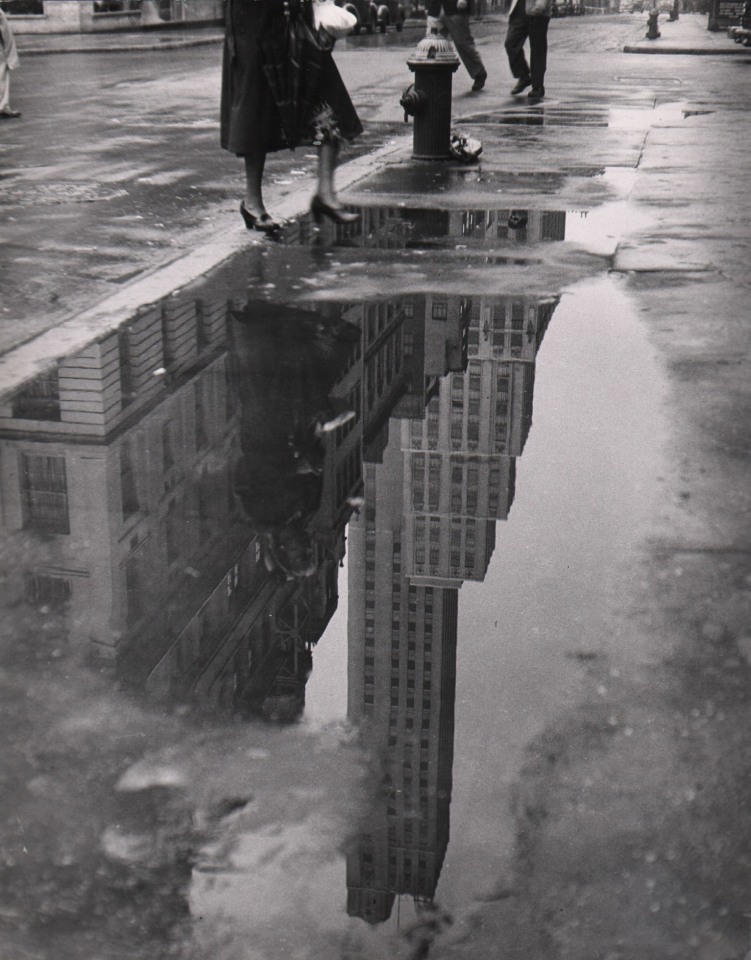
[688, 35]
[29, 359]
[148, 239]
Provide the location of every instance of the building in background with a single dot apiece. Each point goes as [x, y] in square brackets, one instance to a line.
[92, 16]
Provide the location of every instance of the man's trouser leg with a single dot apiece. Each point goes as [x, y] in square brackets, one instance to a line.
[538, 49]
[4, 89]
[516, 34]
[458, 27]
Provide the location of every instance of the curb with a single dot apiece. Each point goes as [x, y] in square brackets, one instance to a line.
[27, 359]
[732, 49]
[132, 47]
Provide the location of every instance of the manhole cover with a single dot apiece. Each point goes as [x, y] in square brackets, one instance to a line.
[61, 192]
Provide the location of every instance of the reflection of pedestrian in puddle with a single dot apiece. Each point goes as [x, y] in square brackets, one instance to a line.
[285, 363]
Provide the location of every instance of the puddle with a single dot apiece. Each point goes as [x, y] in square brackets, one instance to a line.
[478, 234]
[273, 557]
[599, 231]
[418, 179]
[544, 116]
[414, 228]
[560, 115]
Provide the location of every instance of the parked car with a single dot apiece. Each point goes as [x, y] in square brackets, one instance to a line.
[377, 14]
[568, 8]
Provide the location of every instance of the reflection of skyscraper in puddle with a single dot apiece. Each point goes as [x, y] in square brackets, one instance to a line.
[429, 523]
[116, 479]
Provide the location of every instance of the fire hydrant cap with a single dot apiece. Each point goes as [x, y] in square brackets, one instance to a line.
[434, 48]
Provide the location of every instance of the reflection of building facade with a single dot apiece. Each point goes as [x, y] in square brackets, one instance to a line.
[117, 464]
[110, 457]
[489, 226]
[396, 228]
[429, 523]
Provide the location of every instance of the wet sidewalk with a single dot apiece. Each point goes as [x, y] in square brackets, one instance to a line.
[168, 108]
[382, 589]
[687, 35]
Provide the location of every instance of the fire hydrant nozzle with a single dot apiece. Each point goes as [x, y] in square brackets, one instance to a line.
[412, 101]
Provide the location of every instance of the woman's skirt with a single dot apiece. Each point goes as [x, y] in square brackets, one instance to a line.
[250, 109]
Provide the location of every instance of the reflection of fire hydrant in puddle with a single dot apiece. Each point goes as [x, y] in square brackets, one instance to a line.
[428, 99]
[652, 32]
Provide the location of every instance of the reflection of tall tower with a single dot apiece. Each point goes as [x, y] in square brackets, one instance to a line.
[429, 523]
[401, 678]
[402, 646]
[461, 460]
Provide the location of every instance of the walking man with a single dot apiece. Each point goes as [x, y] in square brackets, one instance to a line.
[451, 17]
[528, 18]
[8, 62]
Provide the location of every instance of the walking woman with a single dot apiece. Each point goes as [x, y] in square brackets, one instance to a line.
[281, 88]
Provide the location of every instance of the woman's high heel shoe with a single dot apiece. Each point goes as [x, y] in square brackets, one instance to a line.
[264, 223]
[319, 210]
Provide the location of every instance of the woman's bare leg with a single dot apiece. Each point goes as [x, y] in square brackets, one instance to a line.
[326, 203]
[254, 164]
[327, 157]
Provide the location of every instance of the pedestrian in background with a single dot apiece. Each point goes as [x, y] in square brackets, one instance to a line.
[281, 88]
[8, 62]
[451, 17]
[528, 19]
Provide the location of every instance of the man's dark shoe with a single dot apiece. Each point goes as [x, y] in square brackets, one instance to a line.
[480, 79]
[521, 85]
[536, 93]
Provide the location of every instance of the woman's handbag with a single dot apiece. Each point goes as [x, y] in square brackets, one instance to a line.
[336, 21]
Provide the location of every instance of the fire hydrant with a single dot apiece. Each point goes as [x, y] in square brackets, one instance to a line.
[428, 99]
[652, 32]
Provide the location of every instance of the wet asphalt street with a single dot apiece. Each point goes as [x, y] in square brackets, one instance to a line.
[520, 665]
